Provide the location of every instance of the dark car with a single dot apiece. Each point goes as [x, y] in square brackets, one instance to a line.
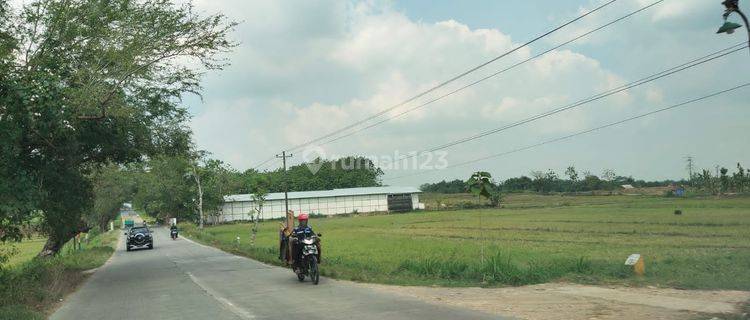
[139, 237]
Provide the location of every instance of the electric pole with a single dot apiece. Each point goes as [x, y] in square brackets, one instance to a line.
[689, 166]
[283, 157]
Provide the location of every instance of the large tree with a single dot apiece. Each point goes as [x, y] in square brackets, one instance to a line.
[97, 82]
[113, 186]
[18, 194]
[213, 179]
[165, 188]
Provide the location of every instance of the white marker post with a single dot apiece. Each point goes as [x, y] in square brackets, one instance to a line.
[639, 266]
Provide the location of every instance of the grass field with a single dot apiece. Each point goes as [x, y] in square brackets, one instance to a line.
[30, 287]
[23, 251]
[533, 239]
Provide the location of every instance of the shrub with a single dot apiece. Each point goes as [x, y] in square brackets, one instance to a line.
[19, 312]
[28, 289]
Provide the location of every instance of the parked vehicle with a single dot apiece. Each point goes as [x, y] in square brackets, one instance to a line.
[139, 237]
[307, 264]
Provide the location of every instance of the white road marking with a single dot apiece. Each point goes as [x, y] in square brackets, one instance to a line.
[242, 313]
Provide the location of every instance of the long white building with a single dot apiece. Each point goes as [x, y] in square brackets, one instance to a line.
[325, 202]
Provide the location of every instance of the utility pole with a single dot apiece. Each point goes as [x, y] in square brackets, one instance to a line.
[283, 157]
[689, 166]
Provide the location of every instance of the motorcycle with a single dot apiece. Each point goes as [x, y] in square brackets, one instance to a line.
[308, 264]
[173, 234]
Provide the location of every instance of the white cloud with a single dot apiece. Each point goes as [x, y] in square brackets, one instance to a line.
[383, 57]
[673, 9]
[303, 71]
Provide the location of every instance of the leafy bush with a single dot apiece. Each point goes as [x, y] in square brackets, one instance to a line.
[28, 289]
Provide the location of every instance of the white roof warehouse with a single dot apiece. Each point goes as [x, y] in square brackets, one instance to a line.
[324, 202]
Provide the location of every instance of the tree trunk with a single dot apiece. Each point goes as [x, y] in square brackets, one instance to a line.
[200, 197]
[103, 224]
[54, 244]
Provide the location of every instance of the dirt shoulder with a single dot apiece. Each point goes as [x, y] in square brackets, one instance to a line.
[573, 301]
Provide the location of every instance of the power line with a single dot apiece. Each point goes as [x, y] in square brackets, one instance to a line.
[642, 81]
[684, 66]
[650, 78]
[459, 76]
[264, 162]
[681, 104]
[494, 74]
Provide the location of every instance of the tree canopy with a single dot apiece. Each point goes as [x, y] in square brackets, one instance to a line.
[91, 83]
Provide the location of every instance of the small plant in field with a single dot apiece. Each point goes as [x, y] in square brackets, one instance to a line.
[479, 184]
[495, 198]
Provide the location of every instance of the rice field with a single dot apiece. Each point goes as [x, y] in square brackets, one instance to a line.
[532, 239]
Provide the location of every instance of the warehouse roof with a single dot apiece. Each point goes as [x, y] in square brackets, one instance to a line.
[325, 193]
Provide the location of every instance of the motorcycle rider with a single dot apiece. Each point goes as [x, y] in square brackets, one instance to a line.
[173, 229]
[303, 230]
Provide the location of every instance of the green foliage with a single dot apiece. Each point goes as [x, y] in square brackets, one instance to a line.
[347, 172]
[89, 83]
[29, 289]
[113, 185]
[545, 182]
[454, 186]
[548, 181]
[573, 176]
[19, 312]
[522, 183]
[740, 180]
[723, 182]
[480, 183]
[165, 188]
[19, 252]
[495, 198]
[6, 253]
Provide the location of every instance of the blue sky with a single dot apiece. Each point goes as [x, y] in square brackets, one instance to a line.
[513, 17]
[306, 68]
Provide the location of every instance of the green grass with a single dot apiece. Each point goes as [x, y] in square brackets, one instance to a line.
[22, 251]
[533, 239]
[29, 289]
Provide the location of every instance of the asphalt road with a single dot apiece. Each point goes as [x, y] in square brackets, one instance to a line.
[180, 279]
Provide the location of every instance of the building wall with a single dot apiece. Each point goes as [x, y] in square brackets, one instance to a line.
[240, 210]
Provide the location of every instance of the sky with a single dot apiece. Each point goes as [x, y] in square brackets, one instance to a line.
[305, 68]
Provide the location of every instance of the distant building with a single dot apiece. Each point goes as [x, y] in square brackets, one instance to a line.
[679, 191]
[324, 202]
[627, 186]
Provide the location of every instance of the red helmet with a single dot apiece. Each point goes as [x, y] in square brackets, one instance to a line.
[302, 216]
